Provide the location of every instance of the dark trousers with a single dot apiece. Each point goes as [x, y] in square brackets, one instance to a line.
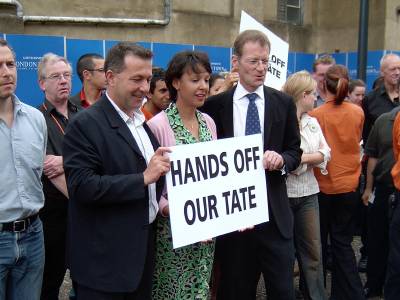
[392, 284]
[54, 266]
[337, 220]
[245, 255]
[143, 291]
[378, 237]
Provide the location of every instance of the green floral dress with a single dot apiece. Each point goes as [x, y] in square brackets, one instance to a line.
[183, 273]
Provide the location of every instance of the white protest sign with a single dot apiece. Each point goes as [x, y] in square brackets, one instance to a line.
[279, 52]
[215, 188]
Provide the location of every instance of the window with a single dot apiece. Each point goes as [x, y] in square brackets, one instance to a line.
[291, 11]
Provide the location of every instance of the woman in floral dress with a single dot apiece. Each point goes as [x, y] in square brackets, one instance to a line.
[183, 273]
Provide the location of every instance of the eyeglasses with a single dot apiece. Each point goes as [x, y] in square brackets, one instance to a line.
[254, 62]
[57, 77]
[101, 70]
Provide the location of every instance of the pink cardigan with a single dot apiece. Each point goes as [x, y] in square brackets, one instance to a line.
[160, 127]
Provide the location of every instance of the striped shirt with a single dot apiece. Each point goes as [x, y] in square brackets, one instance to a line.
[302, 182]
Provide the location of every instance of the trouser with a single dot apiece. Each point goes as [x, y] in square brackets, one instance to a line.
[55, 265]
[337, 221]
[308, 244]
[378, 237]
[392, 284]
[248, 254]
[21, 263]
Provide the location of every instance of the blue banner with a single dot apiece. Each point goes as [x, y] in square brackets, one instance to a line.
[164, 52]
[340, 58]
[219, 57]
[29, 50]
[304, 61]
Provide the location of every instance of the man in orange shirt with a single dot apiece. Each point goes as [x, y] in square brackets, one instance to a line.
[158, 96]
[392, 285]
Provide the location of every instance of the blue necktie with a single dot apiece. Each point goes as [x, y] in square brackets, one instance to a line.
[252, 118]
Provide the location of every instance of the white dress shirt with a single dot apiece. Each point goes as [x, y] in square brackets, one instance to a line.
[135, 125]
[240, 104]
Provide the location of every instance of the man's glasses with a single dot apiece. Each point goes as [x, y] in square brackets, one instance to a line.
[101, 70]
[57, 77]
[255, 62]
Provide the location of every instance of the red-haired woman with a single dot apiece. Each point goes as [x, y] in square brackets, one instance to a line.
[341, 123]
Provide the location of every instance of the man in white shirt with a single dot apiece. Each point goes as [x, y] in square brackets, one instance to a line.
[113, 169]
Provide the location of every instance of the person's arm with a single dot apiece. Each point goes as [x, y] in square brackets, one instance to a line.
[60, 183]
[370, 180]
[84, 166]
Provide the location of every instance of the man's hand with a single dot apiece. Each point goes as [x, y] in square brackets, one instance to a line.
[365, 196]
[158, 166]
[53, 166]
[272, 161]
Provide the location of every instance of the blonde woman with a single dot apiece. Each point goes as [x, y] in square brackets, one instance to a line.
[302, 185]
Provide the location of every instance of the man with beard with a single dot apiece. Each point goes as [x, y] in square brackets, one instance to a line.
[23, 137]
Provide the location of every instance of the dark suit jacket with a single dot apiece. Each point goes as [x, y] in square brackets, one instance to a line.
[109, 206]
[281, 134]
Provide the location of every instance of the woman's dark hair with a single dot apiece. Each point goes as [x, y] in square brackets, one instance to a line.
[337, 82]
[196, 61]
[214, 77]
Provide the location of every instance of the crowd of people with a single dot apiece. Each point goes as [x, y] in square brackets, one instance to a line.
[83, 183]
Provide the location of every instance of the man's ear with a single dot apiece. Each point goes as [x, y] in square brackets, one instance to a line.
[86, 74]
[235, 62]
[42, 84]
[110, 77]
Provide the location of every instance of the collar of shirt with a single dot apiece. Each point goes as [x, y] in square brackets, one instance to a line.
[138, 117]
[50, 107]
[18, 107]
[84, 102]
[241, 93]
[304, 120]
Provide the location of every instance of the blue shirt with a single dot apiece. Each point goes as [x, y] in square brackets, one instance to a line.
[22, 152]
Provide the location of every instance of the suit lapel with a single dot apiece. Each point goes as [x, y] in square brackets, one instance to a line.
[118, 124]
[268, 107]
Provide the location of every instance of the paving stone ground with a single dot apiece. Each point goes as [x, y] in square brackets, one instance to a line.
[261, 295]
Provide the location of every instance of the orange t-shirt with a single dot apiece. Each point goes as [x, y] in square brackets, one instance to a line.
[396, 152]
[342, 127]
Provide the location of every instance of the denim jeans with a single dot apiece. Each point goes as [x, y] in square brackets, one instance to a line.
[308, 244]
[21, 263]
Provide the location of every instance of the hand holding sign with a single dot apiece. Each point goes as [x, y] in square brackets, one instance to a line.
[215, 188]
[158, 166]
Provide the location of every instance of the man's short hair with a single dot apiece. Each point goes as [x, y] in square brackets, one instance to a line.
[158, 74]
[324, 59]
[4, 43]
[85, 62]
[254, 36]
[385, 57]
[115, 59]
[355, 83]
[47, 59]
